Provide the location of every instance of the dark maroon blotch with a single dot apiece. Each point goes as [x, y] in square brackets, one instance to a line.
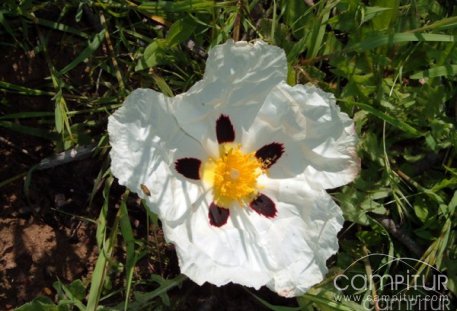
[218, 215]
[270, 153]
[224, 130]
[264, 206]
[188, 167]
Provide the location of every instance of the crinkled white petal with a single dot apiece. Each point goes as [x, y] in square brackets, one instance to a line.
[321, 219]
[146, 141]
[217, 255]
[287, 253]
[319, 139]
[238, 78]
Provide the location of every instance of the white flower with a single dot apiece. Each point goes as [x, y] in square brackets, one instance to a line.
[236, 168]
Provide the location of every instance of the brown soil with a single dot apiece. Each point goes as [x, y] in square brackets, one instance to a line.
[42, 237]
[34, 255]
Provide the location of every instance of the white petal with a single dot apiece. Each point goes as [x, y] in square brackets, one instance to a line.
[287, 253]
[238, 78]
[314, 215]
[146, 141]
[319, 139]
[218, 255]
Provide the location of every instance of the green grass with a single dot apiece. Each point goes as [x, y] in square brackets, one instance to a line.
[392, 65]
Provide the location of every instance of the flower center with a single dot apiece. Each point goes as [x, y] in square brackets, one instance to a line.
[233, 175]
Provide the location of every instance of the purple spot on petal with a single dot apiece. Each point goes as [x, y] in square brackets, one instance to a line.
[218, 215]
[224, 130]
[188, 167]
[264, 206]
[269, 154]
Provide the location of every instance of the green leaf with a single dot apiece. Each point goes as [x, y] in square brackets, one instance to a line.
[59, 118]
[141, 300]
[154, 54]
[297, 49]
[180, 31]
[421, 211]
[77, 289]
[384, 20]
[453, 204]
[39, 304]
[445, 183]
[439, 71]
[74, 294]
[357, 204]
[162, 85]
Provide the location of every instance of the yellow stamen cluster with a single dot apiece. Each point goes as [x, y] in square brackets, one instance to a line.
[233, 176]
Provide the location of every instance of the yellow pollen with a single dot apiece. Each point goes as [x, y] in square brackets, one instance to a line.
[233, 175]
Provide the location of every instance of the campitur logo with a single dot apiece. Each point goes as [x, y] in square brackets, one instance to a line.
[415, 285]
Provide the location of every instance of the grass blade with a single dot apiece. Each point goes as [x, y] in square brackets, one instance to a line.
[32, 131]
[106, 247]
[60, 27]
[273, 307]
[405, 127]
[318, 32]
[381, 40]
[164, 286]
[445, 23]
[163, 7]
[93, 45]
[127, 234]
[331, 304]
[439, 71]
[23, 90]
[27, 115]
